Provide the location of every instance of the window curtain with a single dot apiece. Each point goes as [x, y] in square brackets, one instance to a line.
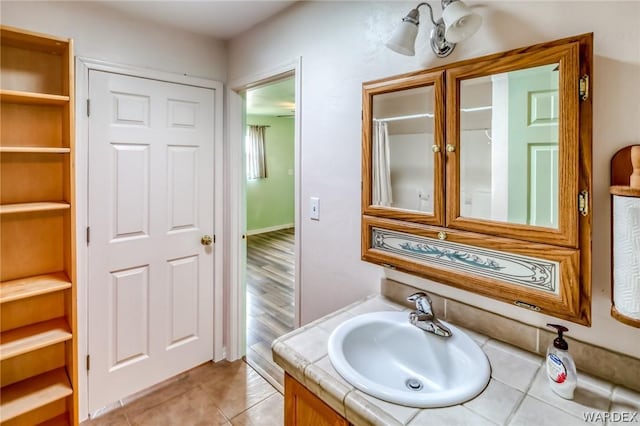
[256, 161]
[381, 170]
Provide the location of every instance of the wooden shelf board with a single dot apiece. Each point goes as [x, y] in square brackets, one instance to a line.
[35, 149]
[25, 39]
[33, 286]
[32, 337]
[625, 191]
[22, 397]
[17, 96]
[623, 318]
[33, 207]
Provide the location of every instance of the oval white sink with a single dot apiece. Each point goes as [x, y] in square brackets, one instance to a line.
[383, 355]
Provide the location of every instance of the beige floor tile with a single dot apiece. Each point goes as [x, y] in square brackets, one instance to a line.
[202, 395]
[173, 388]
[194, 407]
[236, 388]
[269, 412]
[113, 418]
[267, 368]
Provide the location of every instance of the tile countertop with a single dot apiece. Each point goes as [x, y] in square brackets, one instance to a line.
[517, 394]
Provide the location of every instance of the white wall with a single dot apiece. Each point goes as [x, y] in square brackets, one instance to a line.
[101, 33]
[341, 45]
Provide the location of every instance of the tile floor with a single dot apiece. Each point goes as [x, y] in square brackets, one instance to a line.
[225, 393]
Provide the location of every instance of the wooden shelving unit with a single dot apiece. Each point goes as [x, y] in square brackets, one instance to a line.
[38, 347]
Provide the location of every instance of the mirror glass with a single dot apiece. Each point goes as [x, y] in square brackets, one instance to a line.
[402, 160]
[509, 147]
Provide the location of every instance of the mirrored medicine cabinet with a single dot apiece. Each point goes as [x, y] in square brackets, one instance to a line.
[477, 174]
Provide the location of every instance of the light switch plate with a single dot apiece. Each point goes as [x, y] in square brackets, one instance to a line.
[314, 208]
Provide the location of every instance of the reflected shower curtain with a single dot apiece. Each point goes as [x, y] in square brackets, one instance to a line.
[381, 191]
[256, 164]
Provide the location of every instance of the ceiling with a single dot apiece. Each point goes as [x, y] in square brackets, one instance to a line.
[276, 99]
[220, 19]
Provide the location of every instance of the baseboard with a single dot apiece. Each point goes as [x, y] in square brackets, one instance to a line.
[270, 229]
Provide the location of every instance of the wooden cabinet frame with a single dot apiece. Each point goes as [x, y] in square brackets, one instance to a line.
[435, 79]
[568, 247]
[302, 407]
[568, 144]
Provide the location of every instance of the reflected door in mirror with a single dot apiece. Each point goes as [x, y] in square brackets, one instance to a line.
[509, 147]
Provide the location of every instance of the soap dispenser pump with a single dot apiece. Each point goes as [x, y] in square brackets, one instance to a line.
[561, 370]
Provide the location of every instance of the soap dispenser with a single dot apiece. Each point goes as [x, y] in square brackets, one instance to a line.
[561, 370]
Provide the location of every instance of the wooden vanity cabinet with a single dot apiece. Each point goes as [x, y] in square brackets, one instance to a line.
[303, 408]
[491, 192]
[38, 348]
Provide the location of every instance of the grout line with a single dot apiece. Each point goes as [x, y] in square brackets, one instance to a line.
[410, 419]
[248, 408]
[516, 408]
[479, 414]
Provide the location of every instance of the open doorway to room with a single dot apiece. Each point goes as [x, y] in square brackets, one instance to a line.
[270, 221]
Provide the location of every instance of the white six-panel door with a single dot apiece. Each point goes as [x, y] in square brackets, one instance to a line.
[150, 198]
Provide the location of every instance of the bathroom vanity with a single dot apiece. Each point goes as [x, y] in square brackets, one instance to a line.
[517, 393]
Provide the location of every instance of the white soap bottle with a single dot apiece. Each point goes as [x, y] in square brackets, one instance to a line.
[561, 370]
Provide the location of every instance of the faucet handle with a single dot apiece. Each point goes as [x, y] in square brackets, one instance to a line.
[423, 302]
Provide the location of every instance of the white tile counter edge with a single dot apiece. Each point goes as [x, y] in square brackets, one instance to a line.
[516, 395]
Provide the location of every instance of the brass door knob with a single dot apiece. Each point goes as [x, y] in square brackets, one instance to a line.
[451, 148]
[435, 148]
[206, 240]
[442, 235]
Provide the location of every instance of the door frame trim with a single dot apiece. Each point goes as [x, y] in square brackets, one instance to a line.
[82, 67]
[236, 327]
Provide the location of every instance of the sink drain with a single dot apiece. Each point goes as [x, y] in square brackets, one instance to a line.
[413, 384]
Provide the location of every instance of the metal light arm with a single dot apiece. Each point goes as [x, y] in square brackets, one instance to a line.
[440, 46]
[430, 10]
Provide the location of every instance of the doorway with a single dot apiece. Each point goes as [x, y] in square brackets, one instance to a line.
[270, 200]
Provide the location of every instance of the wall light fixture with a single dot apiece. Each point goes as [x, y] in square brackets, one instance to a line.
[458, 23]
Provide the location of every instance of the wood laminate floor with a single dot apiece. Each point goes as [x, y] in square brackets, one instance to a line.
[270, 298]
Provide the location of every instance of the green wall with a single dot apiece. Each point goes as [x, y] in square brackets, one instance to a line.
[270, 201]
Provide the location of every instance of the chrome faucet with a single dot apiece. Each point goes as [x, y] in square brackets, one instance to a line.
[424, 318]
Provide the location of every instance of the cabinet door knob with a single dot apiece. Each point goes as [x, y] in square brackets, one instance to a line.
[451, 148]
[206, 240]
[442, 235]
[435, 148]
